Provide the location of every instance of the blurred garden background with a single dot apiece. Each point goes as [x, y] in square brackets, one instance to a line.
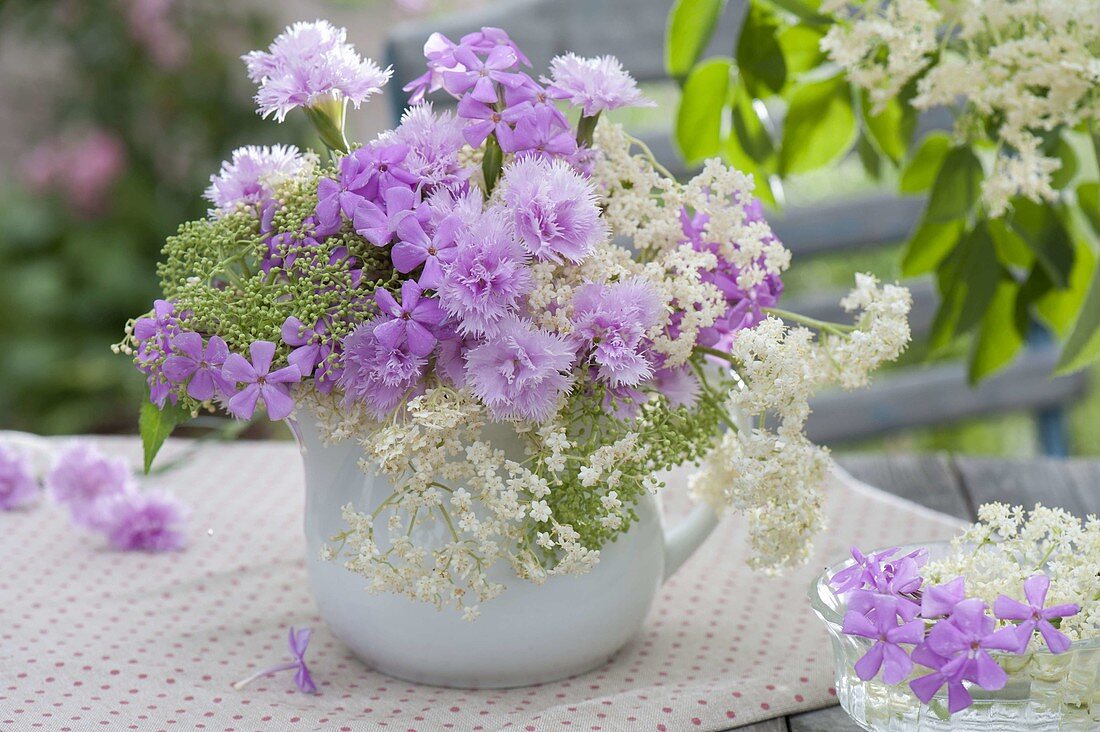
[114, 113]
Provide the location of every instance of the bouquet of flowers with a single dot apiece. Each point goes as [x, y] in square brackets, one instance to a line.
[979, 615]
[520, 268]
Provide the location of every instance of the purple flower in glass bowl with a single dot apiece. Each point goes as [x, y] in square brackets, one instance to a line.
[938, 601]
[969, 633]
[883, 628]
[1035, 616]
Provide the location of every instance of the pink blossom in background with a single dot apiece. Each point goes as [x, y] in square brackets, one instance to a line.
[151, 25]
[82, 167]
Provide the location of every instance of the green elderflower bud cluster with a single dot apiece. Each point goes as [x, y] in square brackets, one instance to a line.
[214, 271]
[666, 437]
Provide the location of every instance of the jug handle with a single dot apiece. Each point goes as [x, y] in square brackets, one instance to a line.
[684, 538]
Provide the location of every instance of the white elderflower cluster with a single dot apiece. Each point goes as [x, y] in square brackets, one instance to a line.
[884, 45]
[1023, 67]
[1008, 544]
[775, 479]
[882, 331]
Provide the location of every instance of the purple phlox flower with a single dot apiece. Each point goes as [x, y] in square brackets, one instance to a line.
[18, 486]
[489, 37]
[865, 572]
[555, 212]
[309, 64]
[82, 476]
[299, 643]
[479, 77]
[376, 375]
[439, 52]
[312, 349]
[486, 277]
[899, 580]
[531, 92]
[969, 632]
[594, 84]
[364, 173]
[520, 372]
[378, 224]
[434, 140]
[613, 320]
[411, 322]
[415, 247]
[154, 334]
[251, 176]
[261, 383]
[481, 120]
[679, 385]
[197, 365]
[886, 653]
[949, 671]
[1033, 615]
[938, 601]
[150, 521]
[540, 133]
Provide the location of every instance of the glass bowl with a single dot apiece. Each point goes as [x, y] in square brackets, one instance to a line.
[1045, 692]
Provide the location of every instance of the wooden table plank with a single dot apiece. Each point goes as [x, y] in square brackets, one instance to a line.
[1068, 484]
[928, 480]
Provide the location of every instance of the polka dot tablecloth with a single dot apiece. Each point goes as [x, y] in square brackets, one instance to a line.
[93, 639]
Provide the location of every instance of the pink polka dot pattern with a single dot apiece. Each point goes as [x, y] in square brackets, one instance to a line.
[93, 639]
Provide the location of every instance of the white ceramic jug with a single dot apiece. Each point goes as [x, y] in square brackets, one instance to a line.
[529, 634]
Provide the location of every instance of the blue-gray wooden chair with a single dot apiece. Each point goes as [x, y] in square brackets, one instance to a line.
[633, 30]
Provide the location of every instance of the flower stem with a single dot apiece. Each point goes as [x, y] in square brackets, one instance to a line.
[491, 163]
[586, 127]
[824, 325]
[266, 672]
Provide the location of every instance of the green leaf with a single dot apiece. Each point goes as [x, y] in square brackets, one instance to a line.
[820, 126]
[801, 46]
[752, 135]
[699, 118]
[691, 23]
[1002, 333]
[920, 171]
[804, 10]
[760, 59]
[929, 244]
[890, 129]
[869, 156]
[956, 188]
[967, 282]
[1057, 308]
[1083, 345]
[1088, 199]
[1063, 151]
[1045, 235]
[1012, 250]
[155, 425]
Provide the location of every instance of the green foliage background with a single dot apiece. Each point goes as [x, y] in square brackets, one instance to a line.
[68, 282]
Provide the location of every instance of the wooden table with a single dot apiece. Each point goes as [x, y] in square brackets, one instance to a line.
[957, 486]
